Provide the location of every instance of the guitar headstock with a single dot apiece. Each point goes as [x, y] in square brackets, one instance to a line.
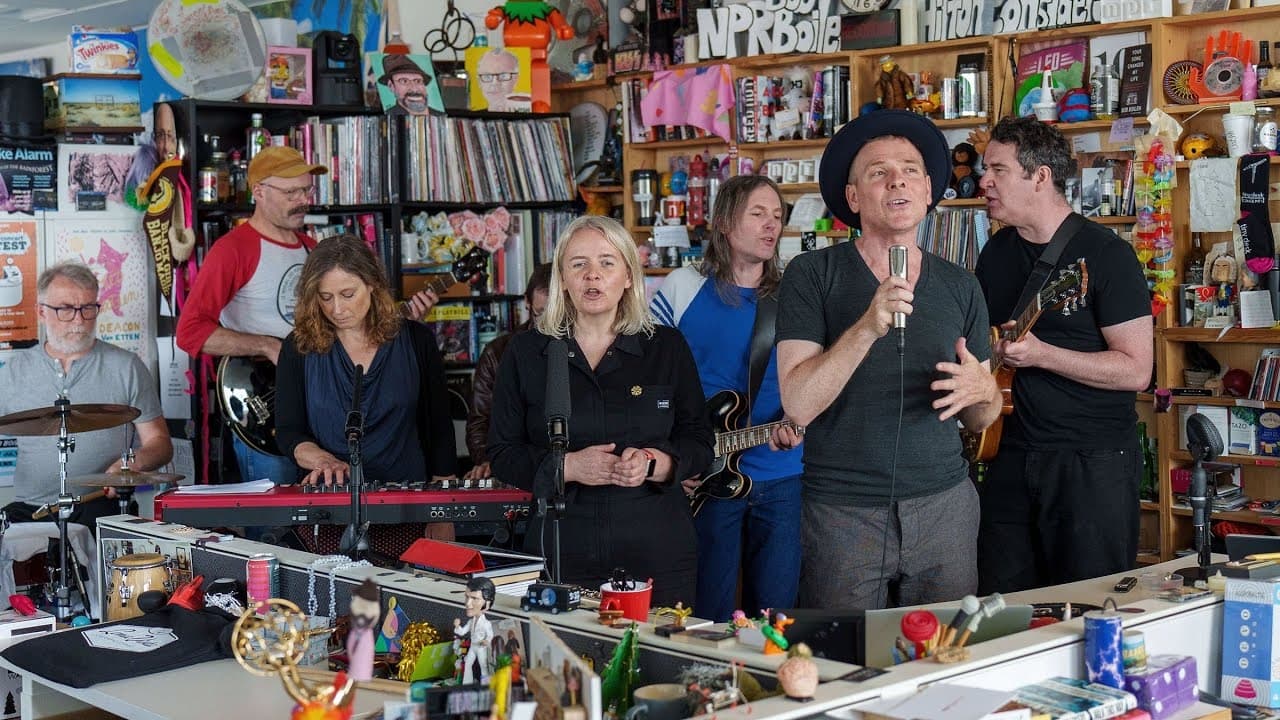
[473, 263]
[1069, 290]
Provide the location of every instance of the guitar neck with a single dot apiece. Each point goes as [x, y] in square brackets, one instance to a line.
[733, 441]
[1020, 327]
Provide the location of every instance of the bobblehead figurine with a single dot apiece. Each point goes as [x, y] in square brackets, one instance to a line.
[365, 608]
[477, 632]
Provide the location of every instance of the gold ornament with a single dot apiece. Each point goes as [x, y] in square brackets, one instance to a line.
[273, 644]
[416, 637]
[636, 390]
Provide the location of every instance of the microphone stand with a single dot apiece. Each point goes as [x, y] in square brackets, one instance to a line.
[355, 542]
[559, 445]
[1197, 496]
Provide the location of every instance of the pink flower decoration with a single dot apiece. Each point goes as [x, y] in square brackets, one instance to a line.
[493, 240]
[498, 219]
[473, 229]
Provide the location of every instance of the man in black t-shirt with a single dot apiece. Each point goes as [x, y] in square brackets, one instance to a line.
[1060, 501]
[888, 513]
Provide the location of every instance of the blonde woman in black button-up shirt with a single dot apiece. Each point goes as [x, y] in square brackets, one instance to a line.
[636, 398]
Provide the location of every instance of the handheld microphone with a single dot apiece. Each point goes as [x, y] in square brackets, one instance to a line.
[355, 418]
[558, 406]
[898, 268]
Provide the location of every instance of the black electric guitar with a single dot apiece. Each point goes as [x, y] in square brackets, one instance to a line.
[1072, 285]
[247, 385]
[723, 480]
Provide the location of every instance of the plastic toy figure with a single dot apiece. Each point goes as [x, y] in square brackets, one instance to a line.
[478, 630]
[775, 641]
[529, 23]
[894, 89]
[365, 608]
[963, 181]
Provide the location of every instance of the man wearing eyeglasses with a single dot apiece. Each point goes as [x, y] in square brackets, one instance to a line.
[243, 299]
[408, 82]
[498, 71]
[73, 363]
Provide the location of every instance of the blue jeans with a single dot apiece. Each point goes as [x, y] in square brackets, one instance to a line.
[759, 533]
[255, 465]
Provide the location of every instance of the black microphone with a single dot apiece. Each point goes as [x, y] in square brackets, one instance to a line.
[558, 406]
[355, 418]
[1204, 442]
[898, 268]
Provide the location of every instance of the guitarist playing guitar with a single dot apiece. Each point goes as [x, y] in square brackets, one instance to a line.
[1060, 500]
[725, 310]
[242, 301]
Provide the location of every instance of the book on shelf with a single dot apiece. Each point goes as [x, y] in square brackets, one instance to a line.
[1066, 59]
[1135, 80]
[454, 328]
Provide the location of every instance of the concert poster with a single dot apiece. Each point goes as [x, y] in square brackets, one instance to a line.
[116, 249]
[19, 253]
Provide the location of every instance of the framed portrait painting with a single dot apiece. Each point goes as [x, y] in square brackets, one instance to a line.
[288, 75]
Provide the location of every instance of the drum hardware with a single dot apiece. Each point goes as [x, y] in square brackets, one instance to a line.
[61, 420]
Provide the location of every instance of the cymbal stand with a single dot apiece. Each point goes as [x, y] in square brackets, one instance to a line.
[125, 494]
[66, 445]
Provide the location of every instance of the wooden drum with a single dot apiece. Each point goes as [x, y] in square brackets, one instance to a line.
[132, 575]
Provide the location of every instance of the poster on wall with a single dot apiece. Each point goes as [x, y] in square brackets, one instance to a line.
[92, 177]
[117, 252]
[28, 176]
[18, 259]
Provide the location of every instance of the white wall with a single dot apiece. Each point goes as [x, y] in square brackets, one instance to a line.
[57, 51]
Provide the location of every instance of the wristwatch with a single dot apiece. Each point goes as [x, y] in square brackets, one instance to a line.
[653, 464]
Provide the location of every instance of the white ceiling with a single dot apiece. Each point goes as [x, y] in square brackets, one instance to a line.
[32, 23]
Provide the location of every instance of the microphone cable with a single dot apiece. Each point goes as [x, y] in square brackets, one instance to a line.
[882, 583]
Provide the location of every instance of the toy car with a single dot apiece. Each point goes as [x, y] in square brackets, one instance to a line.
[551, 597]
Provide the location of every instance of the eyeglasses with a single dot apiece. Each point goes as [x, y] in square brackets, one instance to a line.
[502, 77]
[297, 193]
[67, 313]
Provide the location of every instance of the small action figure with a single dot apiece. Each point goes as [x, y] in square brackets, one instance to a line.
[963, 181]
[894, 89]
[365, 608]
[775, 641]
[478, 631]
[678, 615]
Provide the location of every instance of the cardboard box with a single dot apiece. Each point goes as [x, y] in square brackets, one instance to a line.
[1251, 642]
[1244, 431]
[73, 101]
[1167, 685]
[106, 50]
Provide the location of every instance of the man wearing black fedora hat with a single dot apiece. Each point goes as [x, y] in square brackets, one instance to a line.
[1060, 500]
[889, 514]
[409, 83]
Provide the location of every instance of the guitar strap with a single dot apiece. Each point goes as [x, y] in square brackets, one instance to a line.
[1047, 261]
[762, 335]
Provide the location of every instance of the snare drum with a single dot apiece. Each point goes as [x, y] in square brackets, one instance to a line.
[132, 575]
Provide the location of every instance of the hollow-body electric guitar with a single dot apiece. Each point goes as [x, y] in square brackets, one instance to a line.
[723, 480]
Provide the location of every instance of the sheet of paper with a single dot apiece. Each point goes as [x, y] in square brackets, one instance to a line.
[1213, 195]
[257, 486]
[1121, 131]
[1256, 310]
[940, 700]
[1086, 142]
[184, 461]
[175, 385]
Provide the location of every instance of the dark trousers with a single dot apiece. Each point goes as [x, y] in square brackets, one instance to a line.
[1057, 516]
[928, 555]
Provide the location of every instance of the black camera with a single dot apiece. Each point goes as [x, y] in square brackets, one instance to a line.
[336, 57]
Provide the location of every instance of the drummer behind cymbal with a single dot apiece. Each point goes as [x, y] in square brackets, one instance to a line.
[73, 363]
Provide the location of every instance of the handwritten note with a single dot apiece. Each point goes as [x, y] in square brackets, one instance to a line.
[1213, 195]
[1121, 131]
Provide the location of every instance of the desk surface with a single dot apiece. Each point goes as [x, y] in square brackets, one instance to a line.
[209, 691]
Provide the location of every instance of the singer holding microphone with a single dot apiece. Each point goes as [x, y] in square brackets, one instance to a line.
[880, 350]
[347, 330]
[627, 396]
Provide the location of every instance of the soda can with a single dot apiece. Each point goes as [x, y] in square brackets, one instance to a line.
[208, 191]
[262, 578]
[1103, 654]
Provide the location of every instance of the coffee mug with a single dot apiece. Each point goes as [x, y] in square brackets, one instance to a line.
[634, 604]
[662, 701]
